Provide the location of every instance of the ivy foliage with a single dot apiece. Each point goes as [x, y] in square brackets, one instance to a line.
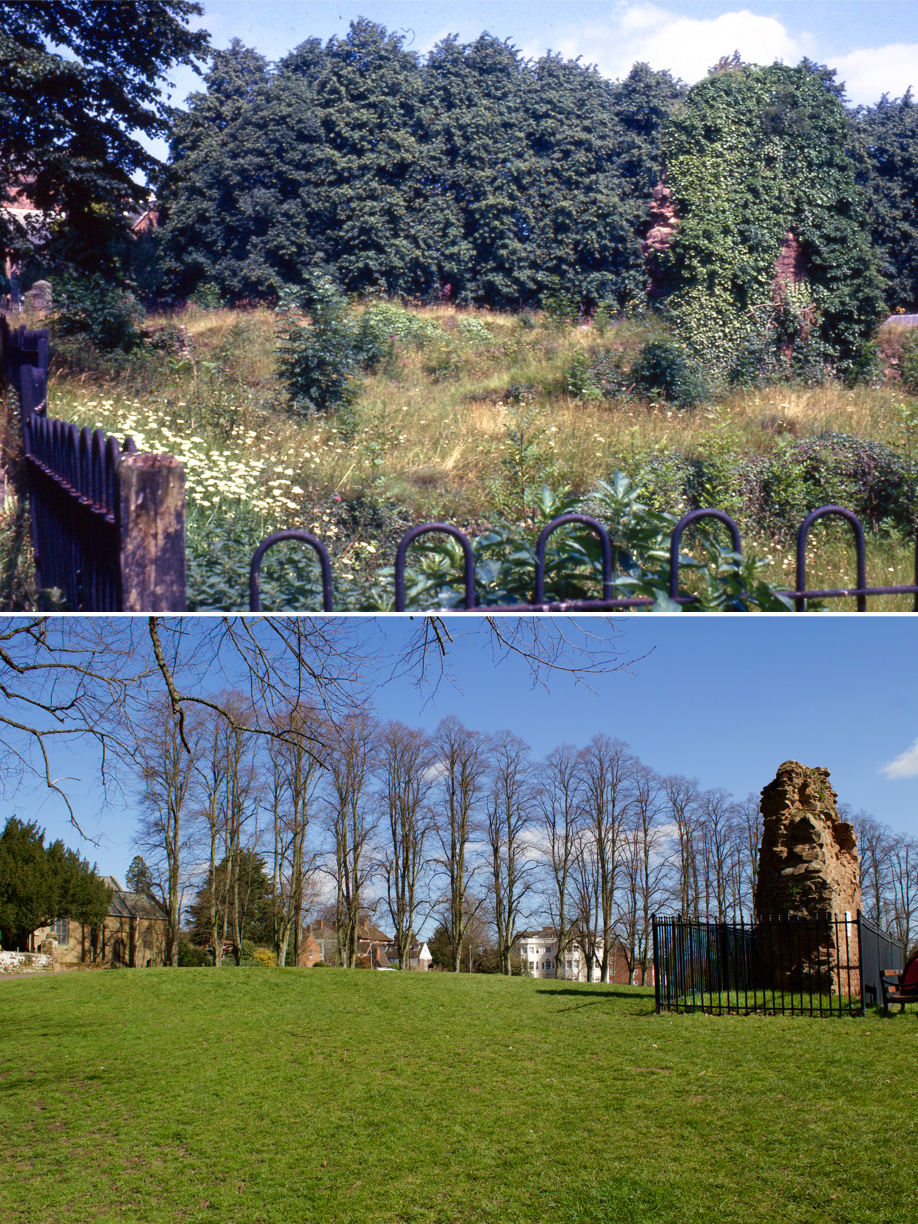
[752, 155]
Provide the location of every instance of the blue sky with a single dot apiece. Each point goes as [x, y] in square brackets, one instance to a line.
[873, 43]
[725, 699]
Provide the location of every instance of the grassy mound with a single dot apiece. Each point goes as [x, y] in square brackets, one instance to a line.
[359, 1098]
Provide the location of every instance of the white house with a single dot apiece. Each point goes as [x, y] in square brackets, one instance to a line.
[538, 952]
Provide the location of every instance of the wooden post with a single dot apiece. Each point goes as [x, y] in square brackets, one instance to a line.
[151, 505]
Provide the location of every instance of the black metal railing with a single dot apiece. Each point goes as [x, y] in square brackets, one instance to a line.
[879, 950]
[24, 359]
[605, 602]
[825, 966]
[75, 511]
[107, 536]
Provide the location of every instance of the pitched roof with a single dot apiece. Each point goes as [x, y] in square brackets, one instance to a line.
[133, 905]
[365, 930]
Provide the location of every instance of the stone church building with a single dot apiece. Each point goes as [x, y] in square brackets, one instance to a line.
[133, 934]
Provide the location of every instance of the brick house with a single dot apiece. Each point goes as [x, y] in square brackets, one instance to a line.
[310, 950]
[133, 934]
[375, 949]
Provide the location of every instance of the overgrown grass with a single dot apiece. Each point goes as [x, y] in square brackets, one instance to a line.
[430, 436]
[329, 1097]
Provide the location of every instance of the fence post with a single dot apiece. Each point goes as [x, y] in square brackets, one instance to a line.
[860, 963]
[656, 966]
[151, 518]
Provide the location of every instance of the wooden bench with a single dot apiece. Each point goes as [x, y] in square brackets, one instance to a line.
[894, 991]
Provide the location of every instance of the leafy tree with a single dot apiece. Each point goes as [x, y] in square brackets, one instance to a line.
[254, 906]
[217, 192]
[40, 883]
[889, 132]
[481, 168]
[439, 945]
[753, 155]
[368, 99]
[67, 125]
[139, 878]
[473, 174]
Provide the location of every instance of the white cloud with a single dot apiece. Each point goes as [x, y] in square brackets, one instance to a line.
[904, 766]
[687, 46]
[871, 73]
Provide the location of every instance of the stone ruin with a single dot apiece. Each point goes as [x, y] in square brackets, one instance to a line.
[788, 273]
[663, 224]
[808, 869]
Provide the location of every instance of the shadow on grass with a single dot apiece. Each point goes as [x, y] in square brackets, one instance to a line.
[589, 989]
[596, 998]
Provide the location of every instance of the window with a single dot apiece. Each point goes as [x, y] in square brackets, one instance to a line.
[60, 929]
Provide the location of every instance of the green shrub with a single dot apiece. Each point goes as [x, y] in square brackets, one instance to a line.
[561, 307]
[664, 368]
[191, 956]
[579, 378]
[207, 296]
[874, 481]
[383, 329]
[908, 363]
[775, 492]
[608, 376]
[474, 331]
[320, 361]
[93, 311]
[505, 560]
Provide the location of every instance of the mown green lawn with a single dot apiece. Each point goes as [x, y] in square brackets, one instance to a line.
[321, 1096]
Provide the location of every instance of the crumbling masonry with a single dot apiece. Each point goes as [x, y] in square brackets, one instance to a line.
[808, 868]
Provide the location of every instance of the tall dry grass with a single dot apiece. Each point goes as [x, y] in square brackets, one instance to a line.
[430, 432]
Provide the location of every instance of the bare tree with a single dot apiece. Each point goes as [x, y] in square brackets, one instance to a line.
[241, 798]
[165, 758]
[684, 812]
[75, 678]
[587, 902]
[606, 772]
[461, 757]
[719, 846]
[66, 680]
[296, 771]
[749, 841]
[645, 866]
[559, 802]
[509, 809]
[903, 872]
[351, 758]
[405, 759]
[210, 789]
[874, 841]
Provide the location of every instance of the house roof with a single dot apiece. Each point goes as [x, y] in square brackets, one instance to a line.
[366, 931]
[133, 905]
[545, 933]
